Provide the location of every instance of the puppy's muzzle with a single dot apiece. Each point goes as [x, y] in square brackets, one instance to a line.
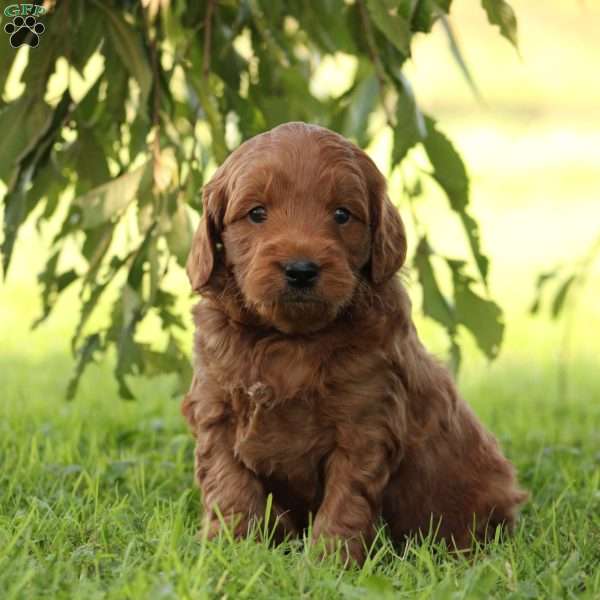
[301, 274]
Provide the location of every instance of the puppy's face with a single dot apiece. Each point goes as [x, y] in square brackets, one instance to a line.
[298, 212]
[296, 236]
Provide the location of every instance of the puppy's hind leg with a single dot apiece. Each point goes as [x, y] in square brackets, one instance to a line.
[456, 483]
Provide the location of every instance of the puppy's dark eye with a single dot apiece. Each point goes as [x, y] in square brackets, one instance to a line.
[258, 214]
[341, 216]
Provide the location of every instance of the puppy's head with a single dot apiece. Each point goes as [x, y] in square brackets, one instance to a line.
[297, 216]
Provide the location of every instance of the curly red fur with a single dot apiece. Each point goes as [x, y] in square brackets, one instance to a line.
[326, 400]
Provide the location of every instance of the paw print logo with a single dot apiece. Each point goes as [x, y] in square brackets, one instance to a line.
[24, 31]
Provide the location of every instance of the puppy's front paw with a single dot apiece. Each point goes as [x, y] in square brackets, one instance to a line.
[350, 550]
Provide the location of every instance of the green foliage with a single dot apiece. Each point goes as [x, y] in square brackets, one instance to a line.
[393, 25]
[171, 87]
[481, 316]
[566, 277]
[500, 13]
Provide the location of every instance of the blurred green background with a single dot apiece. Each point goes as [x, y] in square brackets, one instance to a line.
[532, 150]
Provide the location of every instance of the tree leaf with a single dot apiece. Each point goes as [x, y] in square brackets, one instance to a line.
[387, 19]
[206, 99]
[443, 5]
[363, 101]
[542, 280]
[18, 201]
[435, 304]
[107, 201]
[267, 32]
[16, 210]
[96, 245]
[86, 34]
[165, 304]
[170, 360]
[42, 62]
[450, 173]
[455, 354]
[500, 13]
[128, 311]
[136, 271]
[52, 285]
[482, 317]
[127, 43]
[7, 57]
[448, 168]
[125, 317]
[111, 112]
[561, 295]
[427, 12]
[85, 356]
[94, 288]
[88, 159]
[410, 126]
[22, 123]
[87, 308]
[459, 58]
[179, 236]
[326, 23]
[48, 184]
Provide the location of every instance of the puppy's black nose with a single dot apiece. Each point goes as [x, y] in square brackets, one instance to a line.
[301, 273]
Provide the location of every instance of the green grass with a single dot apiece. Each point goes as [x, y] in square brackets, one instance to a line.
[97, 500]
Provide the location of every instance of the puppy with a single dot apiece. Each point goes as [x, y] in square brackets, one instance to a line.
[310, 382]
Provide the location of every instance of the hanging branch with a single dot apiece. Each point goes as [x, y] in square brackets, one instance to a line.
[155, 111]
[207, 39]
[375, 59]
[264, 81]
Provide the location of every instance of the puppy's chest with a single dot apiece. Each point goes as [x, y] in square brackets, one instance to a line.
[288, 396]
[280, 438]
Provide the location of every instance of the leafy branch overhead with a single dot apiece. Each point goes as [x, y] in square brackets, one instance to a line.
[153, 95]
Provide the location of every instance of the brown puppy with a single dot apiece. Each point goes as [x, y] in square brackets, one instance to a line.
[310, 382]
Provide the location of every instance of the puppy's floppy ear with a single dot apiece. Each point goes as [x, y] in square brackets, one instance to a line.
[203, 258]
[388, 251]
[388, 245]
